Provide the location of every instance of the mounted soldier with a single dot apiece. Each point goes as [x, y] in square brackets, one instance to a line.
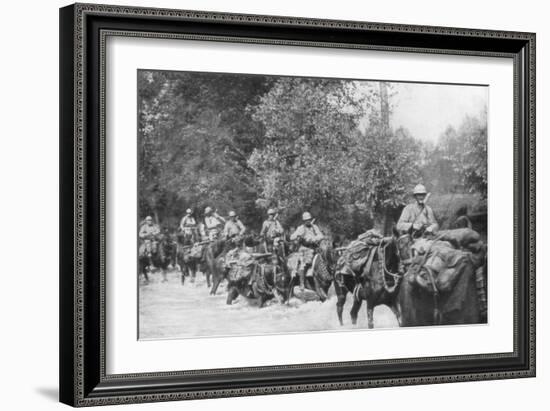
[149, 235]
[234, 229]
[153, 248]
[272, 231]
[188, 224]
[418, 216]
[213, 224]
[308, 236]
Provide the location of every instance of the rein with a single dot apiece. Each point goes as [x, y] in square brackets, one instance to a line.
[382, 262]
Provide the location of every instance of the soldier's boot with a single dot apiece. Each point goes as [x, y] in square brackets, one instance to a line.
[481, 293]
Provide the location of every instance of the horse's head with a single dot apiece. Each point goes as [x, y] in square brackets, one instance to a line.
[403, 243]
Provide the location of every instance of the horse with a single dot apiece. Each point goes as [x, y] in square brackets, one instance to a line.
[376, 284]
[214, 259]
[189, 255]
[159, 256]
[261, 281]
[216, 252]
[425, 298]
[322, 269]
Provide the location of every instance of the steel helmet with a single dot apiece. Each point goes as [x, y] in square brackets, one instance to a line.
[148, 218]
[419, 189]
[306, 216]
[188, 211]
[232, 214]
[271, 211]
[207, 210]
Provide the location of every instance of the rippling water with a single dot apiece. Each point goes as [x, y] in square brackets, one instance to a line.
[170, 310]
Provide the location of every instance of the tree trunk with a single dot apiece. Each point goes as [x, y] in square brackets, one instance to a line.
[384, 107]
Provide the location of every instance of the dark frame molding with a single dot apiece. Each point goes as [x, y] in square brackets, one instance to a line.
[83, 32]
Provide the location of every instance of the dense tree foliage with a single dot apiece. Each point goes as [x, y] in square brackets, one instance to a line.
[458, 162]
[249, 142]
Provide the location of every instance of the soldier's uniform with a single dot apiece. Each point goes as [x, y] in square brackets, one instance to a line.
[214, 226]
[148, 235]
[188, 222]
[188, 227]
[309, 239]
[272, 231]
[233, 229]
[418, 214]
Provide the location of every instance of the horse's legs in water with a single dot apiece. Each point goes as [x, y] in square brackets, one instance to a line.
[143, 269]
[216, 273]
[192, 271]
[207, 274]
[341, 292]
[183, 272]
[396, 312]
[218, 277]
[162, 264]
[370, 314]
[231, 295]
[355, 309]
[215, 285]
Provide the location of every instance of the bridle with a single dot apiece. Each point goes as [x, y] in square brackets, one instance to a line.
[385, 271]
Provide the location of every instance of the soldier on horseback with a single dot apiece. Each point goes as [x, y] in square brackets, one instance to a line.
[272, 231]
[308, 236]
[233, 229]
[188, 226]
[418, 216]
[213, 223]
[148, 234]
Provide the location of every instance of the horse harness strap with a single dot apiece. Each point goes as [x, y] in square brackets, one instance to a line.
[381, 250]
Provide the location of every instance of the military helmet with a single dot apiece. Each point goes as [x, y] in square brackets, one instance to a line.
[419, 189]
[148, 218]
[207, 210]
[306, 216]
[271, 211]
[188, 211]
[232, 214]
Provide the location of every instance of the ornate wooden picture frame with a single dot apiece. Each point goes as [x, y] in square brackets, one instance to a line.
[84, 29]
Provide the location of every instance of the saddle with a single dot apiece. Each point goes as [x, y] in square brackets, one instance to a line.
[196, 251]
[442, 269]
[359, 253]
[440, 261]
[240, 264]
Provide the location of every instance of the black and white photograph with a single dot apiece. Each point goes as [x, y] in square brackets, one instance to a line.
[275, 204]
